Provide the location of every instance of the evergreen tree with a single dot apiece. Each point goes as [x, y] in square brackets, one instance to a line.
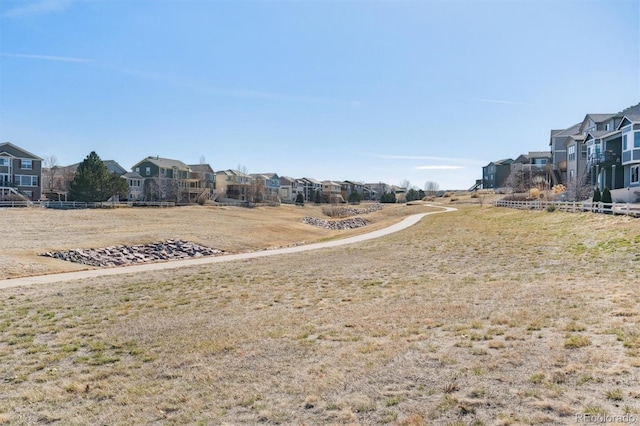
[93, 182]
[355, 197]
[318, 197]
[596, 195]
[606, 196]
[299, 199]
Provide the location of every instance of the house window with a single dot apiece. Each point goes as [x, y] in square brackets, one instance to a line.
[138, 170]
[583, 152]
[634, 174]
[636, 140]
[606, 127]
[4, 161]
[26, 164]
[24, 180]
[571, 176]
[624, 143]
[148, 170]
[571, 152]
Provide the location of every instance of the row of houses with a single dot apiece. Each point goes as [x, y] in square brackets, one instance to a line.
[161, 179]
[602, 150]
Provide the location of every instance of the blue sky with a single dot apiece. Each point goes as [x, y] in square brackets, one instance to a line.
[361, 90]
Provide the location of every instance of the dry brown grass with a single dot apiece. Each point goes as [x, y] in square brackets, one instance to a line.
[461, 319]
[29, 232]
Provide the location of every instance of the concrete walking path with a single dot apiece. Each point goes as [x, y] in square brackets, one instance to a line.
[146, 267]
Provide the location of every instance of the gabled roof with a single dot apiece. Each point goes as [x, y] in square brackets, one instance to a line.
[201, 168]
[132, 175]
[597, 118]
[111, 165]
[165, 163]
[313, 181]
[265, 175]
[114, 167]
[569, 130]
[231, 172]
[504, 162]
[596, 134]
[629, 119]
[574, 138]
[27, 153]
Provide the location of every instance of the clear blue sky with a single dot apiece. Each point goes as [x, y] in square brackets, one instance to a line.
[337, 89]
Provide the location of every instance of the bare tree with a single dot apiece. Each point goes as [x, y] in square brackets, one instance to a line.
[50, 170]
[431, 188]
[579, 189]
[404, 183]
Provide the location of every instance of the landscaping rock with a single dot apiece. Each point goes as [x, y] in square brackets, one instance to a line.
[351, 223]
[128, 255]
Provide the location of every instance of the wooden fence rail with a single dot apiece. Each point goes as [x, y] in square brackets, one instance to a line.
[573, 207]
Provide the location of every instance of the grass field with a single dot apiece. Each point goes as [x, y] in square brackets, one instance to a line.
[482, 316]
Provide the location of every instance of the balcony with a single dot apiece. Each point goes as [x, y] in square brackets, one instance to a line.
[604, 159]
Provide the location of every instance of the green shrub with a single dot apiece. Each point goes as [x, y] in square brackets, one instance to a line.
[606, 196]
[596, 195]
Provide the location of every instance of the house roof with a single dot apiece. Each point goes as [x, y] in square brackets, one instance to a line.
[27, 153]
[111, 165]
[231, 172]
[265, 175]
[132, 175]
[165, 163]
[503, 162]
[202, 168]
[596, 134]
[311, 180]
[568, 131]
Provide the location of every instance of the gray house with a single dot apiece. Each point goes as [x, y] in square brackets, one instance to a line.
[496, 173]
[20, 173]
[167, 180]
[558, 149]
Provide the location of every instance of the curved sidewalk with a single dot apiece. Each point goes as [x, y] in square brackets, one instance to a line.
[93, 273]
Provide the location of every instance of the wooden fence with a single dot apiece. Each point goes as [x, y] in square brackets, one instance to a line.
[573, 207]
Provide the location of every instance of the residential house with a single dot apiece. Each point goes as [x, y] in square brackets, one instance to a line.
[207, 177]
[311, 188]
[629, 128]
[290, 188]
[331, 192]
[265, 187]
[577, 187]
[496, 173]
[167, 180]
[136, 186]
[530, 170]
[232, 185]
[20, 173]
[557, 145]
[373, 191]
[350, 187]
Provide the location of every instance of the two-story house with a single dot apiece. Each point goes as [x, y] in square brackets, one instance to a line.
[167, 180]
[530, 170]
[311, 188]
[233, 185]
[265, 187]
[290, 188]
[350, 187]
[558, 148]
[207, 177]
[496, 173]
[20, 173]
[331, 192]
